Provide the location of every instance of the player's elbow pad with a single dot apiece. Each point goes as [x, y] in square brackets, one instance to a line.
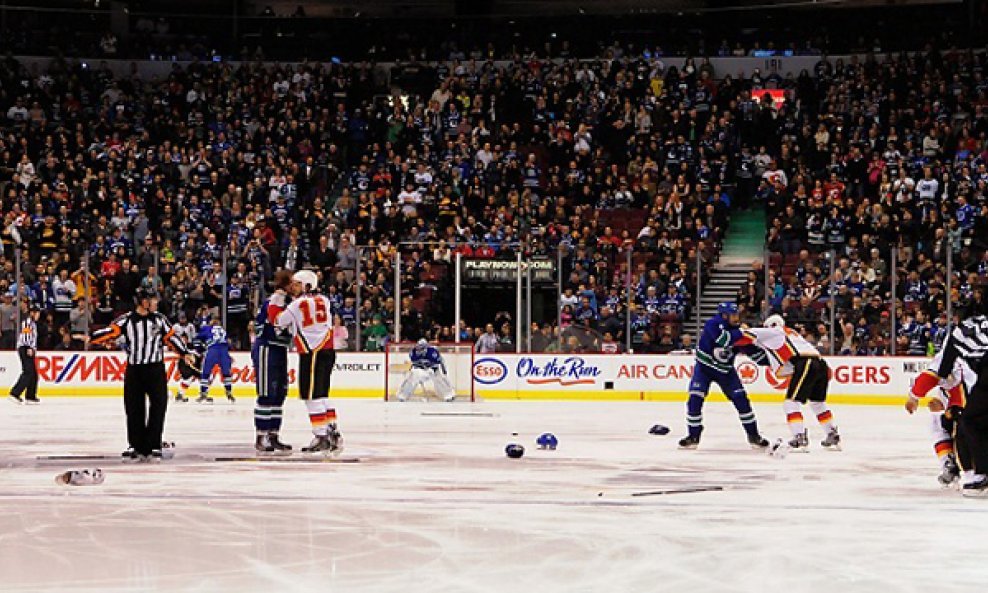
[926, 381]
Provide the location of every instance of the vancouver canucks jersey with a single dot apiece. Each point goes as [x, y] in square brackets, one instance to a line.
[266, 331]
[426, 358]
[213, 337]
[716, 350]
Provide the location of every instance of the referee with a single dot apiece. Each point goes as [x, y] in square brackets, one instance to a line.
[27, 348]
[144, 332]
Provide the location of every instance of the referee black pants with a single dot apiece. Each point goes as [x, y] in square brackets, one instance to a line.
[28, 381]
[315, 370]
[145, 402]
[974, 426]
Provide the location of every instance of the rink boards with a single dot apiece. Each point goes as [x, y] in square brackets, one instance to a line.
[600, 377]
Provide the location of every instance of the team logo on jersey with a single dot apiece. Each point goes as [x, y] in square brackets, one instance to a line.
[780, 383]
[489, 371]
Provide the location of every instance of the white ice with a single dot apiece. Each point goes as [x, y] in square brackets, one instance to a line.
[434, 505]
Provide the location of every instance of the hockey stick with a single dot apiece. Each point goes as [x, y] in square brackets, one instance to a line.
[455, 414]
[680, 491]
[76, 457]
[291, 459]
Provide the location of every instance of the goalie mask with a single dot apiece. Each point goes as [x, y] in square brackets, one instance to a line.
[422, 345]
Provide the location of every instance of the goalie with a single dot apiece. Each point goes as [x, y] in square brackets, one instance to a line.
[427, 365]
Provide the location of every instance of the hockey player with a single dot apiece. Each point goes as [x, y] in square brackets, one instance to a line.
[213, 338]
[189, 368]
[790, 355]
[270, 357]
[310, 318]
[427, 365]
[715, 364]
[969, 342]
[946, 402]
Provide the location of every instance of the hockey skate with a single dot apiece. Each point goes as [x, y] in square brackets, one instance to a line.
[204, 399]
[15, 398]
[757, 441]
[976, 489]
[951, 472]
[335, 440]
[180, 397]
[279, 447]
[689, 442]
[230, 398]
[800, 443]
[319, 444]
[263, 445]
[32, 401]
[832, 441]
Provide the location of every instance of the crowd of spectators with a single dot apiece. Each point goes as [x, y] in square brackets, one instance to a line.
[876, 157]
[200, 184]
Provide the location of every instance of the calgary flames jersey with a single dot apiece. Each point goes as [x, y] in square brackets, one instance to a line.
[311, 318]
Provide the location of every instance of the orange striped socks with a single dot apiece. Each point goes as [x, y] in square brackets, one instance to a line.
[320, 416]
[823, 415]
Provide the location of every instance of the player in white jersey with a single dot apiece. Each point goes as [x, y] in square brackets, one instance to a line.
[310, 316]
[427, 365]
[790, 355]
[947, 397]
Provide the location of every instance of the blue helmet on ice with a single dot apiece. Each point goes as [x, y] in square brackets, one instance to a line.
[547, 441]
[728, 308]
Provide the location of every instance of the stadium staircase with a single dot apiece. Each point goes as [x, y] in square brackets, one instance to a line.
[743, 245]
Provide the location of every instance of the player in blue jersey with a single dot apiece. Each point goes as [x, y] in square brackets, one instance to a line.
[715, 364]
[213, 338]
[270, 357]
[427, 365]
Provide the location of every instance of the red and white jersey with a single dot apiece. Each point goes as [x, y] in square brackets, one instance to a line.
[780, 344]
[310, 317]
[956, 385]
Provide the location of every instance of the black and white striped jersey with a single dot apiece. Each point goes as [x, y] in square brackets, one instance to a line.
[144, 337]
[28, 336]
[968, 342]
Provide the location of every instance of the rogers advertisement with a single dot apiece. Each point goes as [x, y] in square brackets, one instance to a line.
[101, 373]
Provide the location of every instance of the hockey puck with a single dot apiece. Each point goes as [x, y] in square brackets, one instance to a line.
[659, 429]
[514, 451]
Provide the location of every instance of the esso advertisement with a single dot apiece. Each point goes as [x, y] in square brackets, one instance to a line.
[489, 371]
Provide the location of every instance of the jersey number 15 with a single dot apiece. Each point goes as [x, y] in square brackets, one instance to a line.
[313, 311]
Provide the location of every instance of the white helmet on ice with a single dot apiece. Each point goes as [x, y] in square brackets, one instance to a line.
[307, 278]
[422, 344]
[775, 321]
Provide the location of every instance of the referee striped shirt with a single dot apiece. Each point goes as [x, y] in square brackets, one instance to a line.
[144, 337]
[968, 342]
[28, 338]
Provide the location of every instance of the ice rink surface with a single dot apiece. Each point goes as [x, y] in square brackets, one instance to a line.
[434, 505]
